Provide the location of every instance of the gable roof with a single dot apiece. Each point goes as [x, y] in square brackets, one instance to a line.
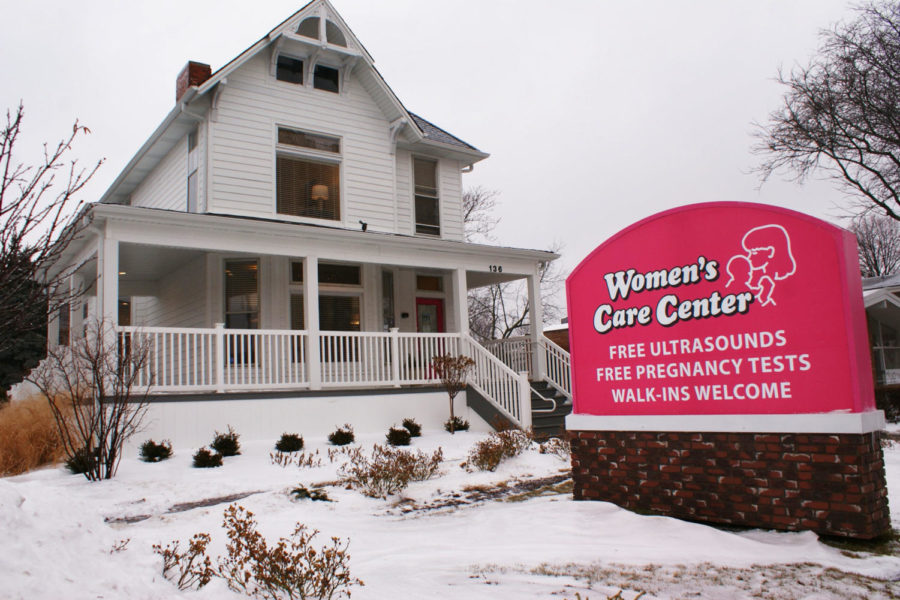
[180, 121]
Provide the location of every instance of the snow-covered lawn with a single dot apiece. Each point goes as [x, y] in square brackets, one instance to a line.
[58, 531]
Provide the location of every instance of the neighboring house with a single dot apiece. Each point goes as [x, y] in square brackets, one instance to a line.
[290, 226]
[881, 296]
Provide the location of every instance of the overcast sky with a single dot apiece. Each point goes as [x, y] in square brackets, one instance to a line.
[596, 114]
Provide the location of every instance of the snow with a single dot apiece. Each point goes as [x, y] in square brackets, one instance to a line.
[59, 530]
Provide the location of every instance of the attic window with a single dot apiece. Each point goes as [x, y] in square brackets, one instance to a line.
[334, 35]
[326, 78]
[309, 28]
[289, 69]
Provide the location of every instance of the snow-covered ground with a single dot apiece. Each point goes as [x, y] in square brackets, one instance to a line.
[58, 531]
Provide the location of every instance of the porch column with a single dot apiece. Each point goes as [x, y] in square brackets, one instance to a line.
[311, 318]
[538, 368]
[108, 281]
[461, 300]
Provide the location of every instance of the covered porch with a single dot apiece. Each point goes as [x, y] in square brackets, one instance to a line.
[226, 304]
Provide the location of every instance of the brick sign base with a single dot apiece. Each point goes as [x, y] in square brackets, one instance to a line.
[833, 484]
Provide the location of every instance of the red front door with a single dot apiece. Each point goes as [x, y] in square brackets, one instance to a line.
[429, 315]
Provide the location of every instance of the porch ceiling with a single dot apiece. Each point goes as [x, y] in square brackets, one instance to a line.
[477, 279]
[149, 263]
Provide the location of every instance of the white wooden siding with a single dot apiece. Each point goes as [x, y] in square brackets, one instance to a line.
[180, 299]
[166, 186]
[242, 155]
[450, 190]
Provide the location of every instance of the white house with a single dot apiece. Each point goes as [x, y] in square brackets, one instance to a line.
[290, 235]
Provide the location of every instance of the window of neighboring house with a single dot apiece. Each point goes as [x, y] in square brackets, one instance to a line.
[326, 78]
[428, 219]
[241, 294]
[193, 186]
[289, 69]
[65, 319]
[885, 341]
[308, 174]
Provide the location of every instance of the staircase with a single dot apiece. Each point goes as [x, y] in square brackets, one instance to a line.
[549, 408]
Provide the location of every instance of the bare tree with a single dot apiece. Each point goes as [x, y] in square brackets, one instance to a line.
[502, 310]
[478, 213]
[453, 371]
[38, 220]
[840, 114]
[92, 391]
[878, 238]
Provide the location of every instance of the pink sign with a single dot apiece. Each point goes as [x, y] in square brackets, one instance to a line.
[720, 308]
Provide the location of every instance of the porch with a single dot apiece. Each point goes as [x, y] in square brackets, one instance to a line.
[228, 304]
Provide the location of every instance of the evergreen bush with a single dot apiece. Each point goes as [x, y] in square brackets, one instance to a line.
[342, 436]
[204, 459]
[454, 424]
[227, 443]
[414, 429]
[153, 452]
[289, 442]
[398, 436]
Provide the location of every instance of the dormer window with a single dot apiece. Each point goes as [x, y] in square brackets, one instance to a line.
[326, 78]
[289, 69]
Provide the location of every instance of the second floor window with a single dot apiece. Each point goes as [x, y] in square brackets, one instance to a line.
[428, 214]
[308, 174]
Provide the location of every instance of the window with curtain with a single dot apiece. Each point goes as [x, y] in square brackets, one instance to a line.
[428, 217]
[242, 294]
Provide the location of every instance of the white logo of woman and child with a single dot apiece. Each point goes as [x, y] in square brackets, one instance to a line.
[768, 259]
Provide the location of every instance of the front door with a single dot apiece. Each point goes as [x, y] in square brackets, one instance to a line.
[429, 315]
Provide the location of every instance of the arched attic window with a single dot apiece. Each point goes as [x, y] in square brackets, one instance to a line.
[334, 35]
[309, 28]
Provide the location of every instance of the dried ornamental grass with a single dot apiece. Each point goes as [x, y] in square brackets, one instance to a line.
[29, 437]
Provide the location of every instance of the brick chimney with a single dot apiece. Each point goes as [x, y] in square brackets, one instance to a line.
[193, 73]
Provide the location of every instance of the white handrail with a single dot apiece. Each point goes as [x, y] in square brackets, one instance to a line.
[559, 368]
[507, 390]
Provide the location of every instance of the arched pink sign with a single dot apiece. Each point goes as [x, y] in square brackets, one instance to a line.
[720, 308]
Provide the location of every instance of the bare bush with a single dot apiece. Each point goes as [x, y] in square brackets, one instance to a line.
[487, 454]
[558, 447]
[388, 470]
[307, 460]
[291, 569]
[452, 371]
[28, 437]
[91, 388]
[189, 569]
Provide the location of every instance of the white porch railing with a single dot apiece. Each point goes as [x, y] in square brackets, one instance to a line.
[516, 353]
[219, 359]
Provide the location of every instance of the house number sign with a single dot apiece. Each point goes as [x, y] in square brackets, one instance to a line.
[722, 308]
[496, 268]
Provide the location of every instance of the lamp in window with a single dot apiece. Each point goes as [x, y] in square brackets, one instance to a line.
[319, 193]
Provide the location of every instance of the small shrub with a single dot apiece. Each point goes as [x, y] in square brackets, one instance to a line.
[414, 429]
[29, 437]
[227, 443]
[204, 459]
[289, 442]
[82, 461]
[487, 454]
[301, 492]
[189, 569]
[456, 424]
[342, 436]
[292, 568]
[388, 470]
[558, 447]
[398, 436]
[153, 452]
